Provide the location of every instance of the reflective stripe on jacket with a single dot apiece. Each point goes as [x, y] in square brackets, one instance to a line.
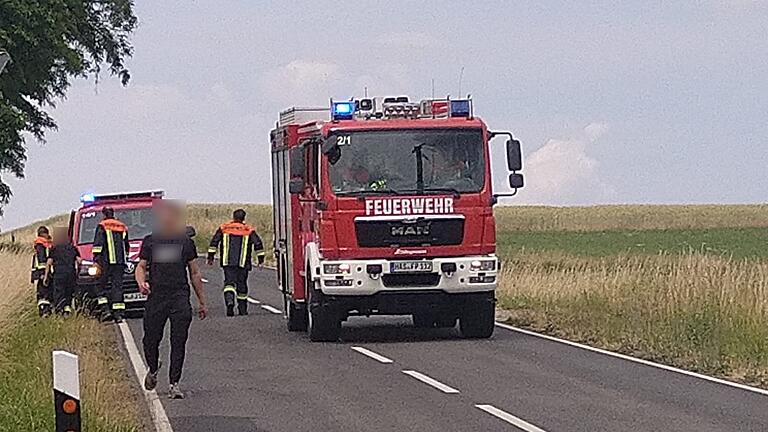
[110, 243]
[235, 242]
[42, 247]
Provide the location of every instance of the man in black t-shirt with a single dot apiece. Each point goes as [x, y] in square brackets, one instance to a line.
[167, 260]
[63, 261]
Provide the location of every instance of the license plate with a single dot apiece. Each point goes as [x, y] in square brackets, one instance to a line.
[410, 267]
[133, 297]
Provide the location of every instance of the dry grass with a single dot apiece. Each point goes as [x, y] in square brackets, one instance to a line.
[630, 217]
[26, 343]
[700, 312]
[14, 286]
[26, 234]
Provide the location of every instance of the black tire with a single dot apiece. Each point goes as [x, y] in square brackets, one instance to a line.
[323, 325]
[296, 317]
[478, 321]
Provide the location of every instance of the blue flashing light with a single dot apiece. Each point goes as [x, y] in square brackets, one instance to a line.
[460, 108]
[343, 110]
[88, 198]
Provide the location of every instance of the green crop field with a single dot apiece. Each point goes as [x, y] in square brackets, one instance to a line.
[729, 242]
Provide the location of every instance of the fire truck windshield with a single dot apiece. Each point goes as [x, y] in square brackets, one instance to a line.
[139, 222]
[406, 161]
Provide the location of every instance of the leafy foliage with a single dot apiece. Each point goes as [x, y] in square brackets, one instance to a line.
[50, 43]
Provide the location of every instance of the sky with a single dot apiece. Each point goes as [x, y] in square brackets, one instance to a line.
[614, 102]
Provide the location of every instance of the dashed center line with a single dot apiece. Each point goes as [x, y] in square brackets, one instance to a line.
[371, 354]
[204, 280]
[271, 309]
[252, 300]
[509, 418]
[431, 381]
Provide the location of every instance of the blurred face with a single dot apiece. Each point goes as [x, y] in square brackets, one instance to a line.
[169, 217]
[61, 236]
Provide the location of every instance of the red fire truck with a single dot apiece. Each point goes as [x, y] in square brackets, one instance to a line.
[134, 209]
[384, 206]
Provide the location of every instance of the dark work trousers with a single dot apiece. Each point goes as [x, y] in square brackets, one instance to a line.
[159, 309]
[236, 287]
[44, 294]
[63, 289]
[112, 287]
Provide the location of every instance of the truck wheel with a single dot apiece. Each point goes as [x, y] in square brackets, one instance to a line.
[323, 324]
[296, 317]
[478, 321]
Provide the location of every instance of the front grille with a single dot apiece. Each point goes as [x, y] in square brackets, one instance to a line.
[405, 232]
[407, 280]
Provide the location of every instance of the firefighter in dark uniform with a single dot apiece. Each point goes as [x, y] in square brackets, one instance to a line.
[235, 242]
[110, 253]
[42, 247]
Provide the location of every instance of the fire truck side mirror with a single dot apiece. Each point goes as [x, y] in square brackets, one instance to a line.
[516, 181]
[514, 155]
[296, 186]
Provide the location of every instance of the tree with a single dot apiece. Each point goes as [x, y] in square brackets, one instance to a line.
[52, 42]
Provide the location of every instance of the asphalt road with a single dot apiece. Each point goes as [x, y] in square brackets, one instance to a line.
[250, 374]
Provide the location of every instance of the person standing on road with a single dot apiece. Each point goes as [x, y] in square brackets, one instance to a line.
[63, 262]
[42, 246]
[235, 241]
[110, 253]
[166, 265]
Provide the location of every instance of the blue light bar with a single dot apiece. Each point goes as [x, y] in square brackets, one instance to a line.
[342, 110]
[460, 108]
[88, 198]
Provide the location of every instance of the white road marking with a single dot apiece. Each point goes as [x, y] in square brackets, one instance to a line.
[252, 300]
[371, 354]
[636, 360]
[271, 309]
[156, 410]
[509, 418]
[204, 280]
[431, 381]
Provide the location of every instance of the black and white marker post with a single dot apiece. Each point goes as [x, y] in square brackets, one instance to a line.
[66, 391]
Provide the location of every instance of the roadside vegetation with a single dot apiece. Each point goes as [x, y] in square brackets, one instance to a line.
[682, 285]
[26, 343]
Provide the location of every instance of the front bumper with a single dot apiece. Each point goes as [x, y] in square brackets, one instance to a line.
[357, 281]
[90, 287]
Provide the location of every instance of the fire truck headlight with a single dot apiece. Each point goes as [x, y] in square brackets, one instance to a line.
[88, 268]
[336, 268]
[483, 265]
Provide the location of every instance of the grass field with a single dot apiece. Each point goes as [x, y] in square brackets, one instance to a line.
[682, 285]
[26, 343]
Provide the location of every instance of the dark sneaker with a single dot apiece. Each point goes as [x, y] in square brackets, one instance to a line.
[230, 310]
[150, 381]
[174, 392]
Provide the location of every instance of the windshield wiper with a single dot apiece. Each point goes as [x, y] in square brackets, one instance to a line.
[369, 192]
[454, 191]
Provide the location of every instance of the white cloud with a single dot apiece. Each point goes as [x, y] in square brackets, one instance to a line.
[562, 172]
[300, 82]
